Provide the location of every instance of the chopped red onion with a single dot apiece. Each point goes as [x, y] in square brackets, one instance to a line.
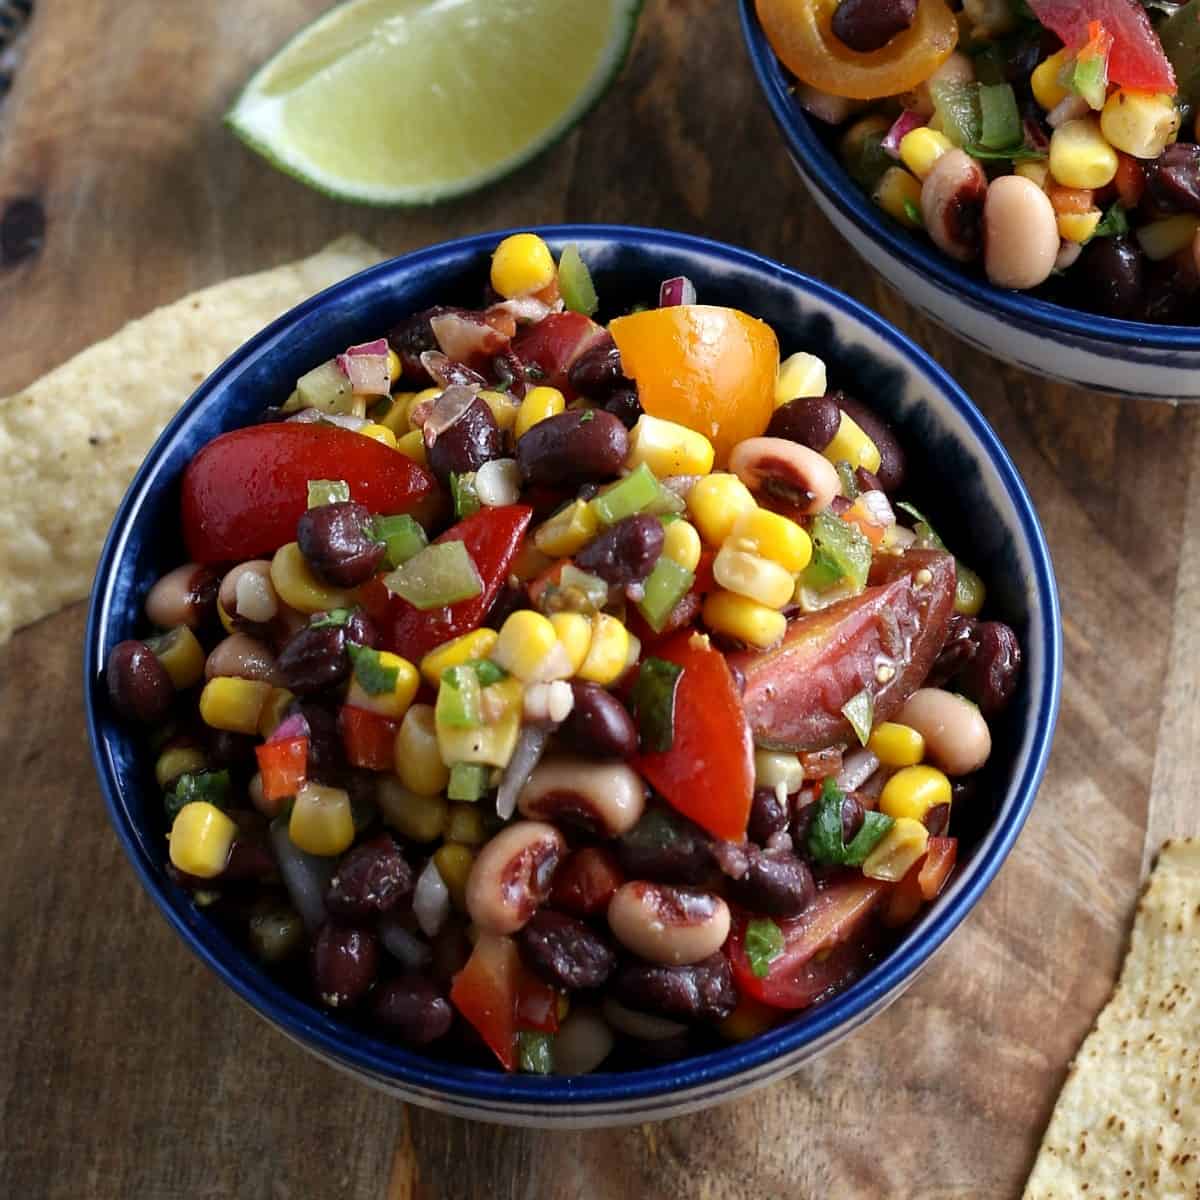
[404, 946]
[731, 858]
[531, 745]
[1070, 108]
[524, 309]
[305, 876]
[904, 124]
[366, 366]
[1035, 138]
[879, 506]
[857, 767]
[295, 726]
[431, 900]
[447, 409]
[312, 416]
[465, 337]
[679, 290]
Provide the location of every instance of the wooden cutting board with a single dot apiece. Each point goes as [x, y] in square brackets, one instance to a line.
[130, 1072]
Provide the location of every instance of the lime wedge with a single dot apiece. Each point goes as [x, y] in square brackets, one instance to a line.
[412, 101]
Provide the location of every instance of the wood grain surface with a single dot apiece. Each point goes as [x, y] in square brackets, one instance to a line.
[128, 1071]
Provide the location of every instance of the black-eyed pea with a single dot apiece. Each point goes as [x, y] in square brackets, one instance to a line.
[957, 738]
[184, 596]
[247, 594]
[787, 472]
[1020, 233]
[952, 200]
[605, 798]
[241, 656]
[512, 876]
[665, 924]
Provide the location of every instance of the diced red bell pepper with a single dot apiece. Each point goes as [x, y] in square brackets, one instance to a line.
[937, 866]
[1136, 60]
[492, 536]
[245, 492]
[554, 343]
[537, 1003]
[368, 738]
[485, 992]
[283, 767]
[586, 882]
[708, 773]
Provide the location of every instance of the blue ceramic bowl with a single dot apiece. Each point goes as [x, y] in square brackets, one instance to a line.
[965, 480]
[1122, 357]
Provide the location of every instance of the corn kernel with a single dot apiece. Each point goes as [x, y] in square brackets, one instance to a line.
[1142, 124]
[716, 503]
[1035, 170]
[412, 445]
[899, 195]
[774, 767]
[176, 761]
[1079, 155]
[775, 537]
[415, 817]
[750, 1018]
[396, 417]
[379, 433]
[913, 791]
[750, 575]
[233, 704]
[851, 444]
[668, 448]
[201, 838]
[1078, 227]
[608, 652]
[897, 850]
[504, 406]
[1045, 81]
[568, 531]
[394, 365]
[800, 375]
[273, 709]
[394, 702]
[298, 587]
[539, 403]
[1161, 239]
[418, 762]
[526, 639]
[574, 633]
[465, 825]
[454, 865]
[321, 821]
[479, 643]
[681, 544]
[743, 619]
[182, 657]
[920, 148]
[969, 591]
[896, 745]
[521, 265]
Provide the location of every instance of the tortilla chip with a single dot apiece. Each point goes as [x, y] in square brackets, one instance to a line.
[1128, 1121]
[71, 442]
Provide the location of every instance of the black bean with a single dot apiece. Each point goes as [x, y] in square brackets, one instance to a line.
[138, 684]
[363, 631]
[509, 599]
[565, 952]
[624, 404]
[1173, 179]
[414, 1008]
[665, 847]
[598, 724]
[250, 858]
[852, 818]
[1170, 290]
[1110, 276]
[866, 25]
[767, 816]
[344, 963]
[957, 650]
[471, 441]
[313, 659]
[325, 756]
[573, 446]
[626, 552]
[597, 371]
[410, 339]
[700, 991]
[937, 820]
[867, 481]
[231, 750]
[802, 820]
[371, 878]
[891, 453]
[337, 542]
[812, 421]
[508, 372]
[776, 883]
[990, 678]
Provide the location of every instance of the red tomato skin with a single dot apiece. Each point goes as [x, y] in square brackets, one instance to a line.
[485, 993]
[368, 738]
[708, 774]
[493, 537]
[554, 343]
[244, 493]
[1136, 60]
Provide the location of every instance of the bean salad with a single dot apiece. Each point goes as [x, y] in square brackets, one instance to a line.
[561, 694]
[1050, 143]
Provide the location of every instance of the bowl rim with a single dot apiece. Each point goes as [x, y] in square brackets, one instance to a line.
[364, 1053]
[850, 200]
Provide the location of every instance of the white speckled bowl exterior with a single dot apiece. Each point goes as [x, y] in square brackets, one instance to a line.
[1131, 358]
[960, 475]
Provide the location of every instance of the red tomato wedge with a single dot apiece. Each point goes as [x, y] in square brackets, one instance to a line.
[708, 773]
[831, 922]
[485, 992]
[368, 738]
[537, 1003]
[244, 493]
[492, 536]
[283, 766]
[554, 343]
[1136, 59]
[795, 693]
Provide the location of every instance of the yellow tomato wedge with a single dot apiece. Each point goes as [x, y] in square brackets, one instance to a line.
[709, 368]
[801, 33]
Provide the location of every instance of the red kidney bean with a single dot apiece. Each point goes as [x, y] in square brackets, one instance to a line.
[624, 404]
[337, 542]
[1173, 179]
[937, 820]
[597, 371]
[412, 338]
[767, 816]
[565, 952]
[990, 677]
[573, 446]
[371, 878]
[866, 25]
[665, 847]
[891, 454]
[138, 684]
[776, 883]
[598, 724]
[812, 421]
[471, 441]
[313, 659]
[414, 1008]
[1109, 277]
[344, 963]
[624, 553]
[701, 991]
[184, 596]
